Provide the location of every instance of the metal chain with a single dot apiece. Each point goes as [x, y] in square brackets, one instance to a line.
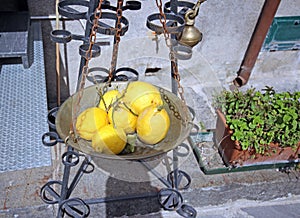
[88, 57]
[174, 64]
[162, 19]
[118, 29]
[195, 9]
[170, 105]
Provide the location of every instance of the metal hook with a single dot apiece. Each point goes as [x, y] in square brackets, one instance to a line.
[51, 138]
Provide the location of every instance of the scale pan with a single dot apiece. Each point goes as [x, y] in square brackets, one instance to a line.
[180, 124]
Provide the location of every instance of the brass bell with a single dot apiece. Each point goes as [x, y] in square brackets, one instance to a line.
[190, 35]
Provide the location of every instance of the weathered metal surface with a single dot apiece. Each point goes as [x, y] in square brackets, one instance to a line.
[23, 113]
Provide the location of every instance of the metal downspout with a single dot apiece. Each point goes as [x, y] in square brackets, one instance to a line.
[259, 34]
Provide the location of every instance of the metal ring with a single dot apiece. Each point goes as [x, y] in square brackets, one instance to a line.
[184, 4]
[187, 211]
[118, 75]
[167, 162]
[181, 154]
[51, 117]
[132, 5]
[170, 199]
[88, 170]
[181, 174]
[61, 36]
[48, 189]
[170, 27]
[96, 50]
[107, 30]
[69, 207]
[182, 52]
[65, 10]
[97, 78]
[50, 139]
[127, 69]
[68, 158]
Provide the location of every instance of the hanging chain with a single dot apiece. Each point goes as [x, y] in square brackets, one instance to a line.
[118, 29]
[195, 9]
[88, 56]
[85, 69]
[163, 21]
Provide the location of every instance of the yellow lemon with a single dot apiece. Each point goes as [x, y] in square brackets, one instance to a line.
[139, 95]
[108, 99]
[109, 140]
[121, 117]
[152, 125]
[89, 121]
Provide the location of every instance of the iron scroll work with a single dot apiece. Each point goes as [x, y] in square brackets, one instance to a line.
[59, 191]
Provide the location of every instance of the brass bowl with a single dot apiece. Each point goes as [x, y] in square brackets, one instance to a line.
[180, 124]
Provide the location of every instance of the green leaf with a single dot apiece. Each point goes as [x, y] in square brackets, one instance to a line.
[237, 105]
[262, 142]
[269, 134]
[253, 106]
[245, 145]
[244, 126]
[286, 118]
[256, 147]
[258, 120]
[294, 125]
[238, 135]
[252, 125]
[293, 113]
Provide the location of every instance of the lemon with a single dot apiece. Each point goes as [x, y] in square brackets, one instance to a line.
[152, 125]
[139, 95]
[108, 99]
[121, 117]
[109, 140]
[89, 121]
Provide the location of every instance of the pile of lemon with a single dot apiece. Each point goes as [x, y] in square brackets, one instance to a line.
[138, 109]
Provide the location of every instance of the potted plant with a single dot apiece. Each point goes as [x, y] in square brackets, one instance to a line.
[258, 127]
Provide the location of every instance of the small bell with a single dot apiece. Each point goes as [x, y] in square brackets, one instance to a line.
[190, 35]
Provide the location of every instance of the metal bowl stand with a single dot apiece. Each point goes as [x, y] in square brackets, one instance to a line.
[169, 197]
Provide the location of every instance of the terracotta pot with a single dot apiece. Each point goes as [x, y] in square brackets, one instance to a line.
[233, 154]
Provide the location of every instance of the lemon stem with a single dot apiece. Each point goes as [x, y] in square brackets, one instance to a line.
[160, 107]
[129, 109]
[102, 99]
[112, 116]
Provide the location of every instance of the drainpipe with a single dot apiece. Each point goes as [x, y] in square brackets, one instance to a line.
[261, 29]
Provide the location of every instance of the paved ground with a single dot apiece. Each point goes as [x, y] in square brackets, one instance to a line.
[259, 193]
[265, 193]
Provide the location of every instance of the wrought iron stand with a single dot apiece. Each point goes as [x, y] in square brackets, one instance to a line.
[170, 197]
